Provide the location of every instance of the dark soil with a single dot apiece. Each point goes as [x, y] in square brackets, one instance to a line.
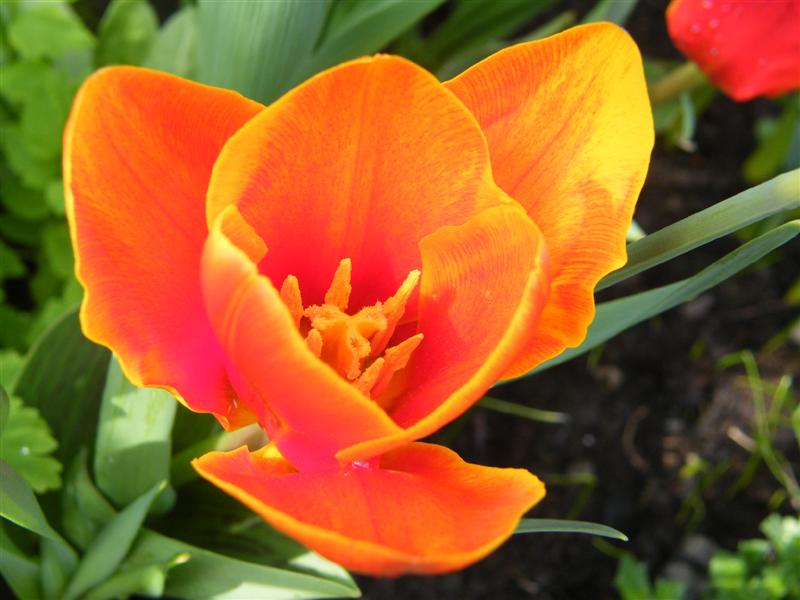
[653, 399]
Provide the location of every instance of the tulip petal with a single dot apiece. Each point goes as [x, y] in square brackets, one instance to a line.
[138, 153]
[303, 404]
[484, 286]
[746, 48]
[360, 162]
[421, 510]
[570, 132]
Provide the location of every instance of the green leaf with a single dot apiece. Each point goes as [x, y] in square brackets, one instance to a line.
[631, 580]
[566, 526]
[615, 11]
[44, 116]
[63, 366]
[22, 201]
[84, 510]
[362, 27]
[48, 30]
[57, 249]
[670, 589]
[255, 47]
[210, 575]
[26, 443]
[148, 581]
[755, 204]
[5, 408]
[133, 430]
[13, 326]
[126, 33]
[22, 80]
[474, 24]
[35, 172]
[11, 265]
[54, 196]
[19, 505]
[520, 410]
[10, 365]
[57, 564]
[774, 143]
[175, 46]
[796, 424]
[111, 546]
[727, 571]
[616, 316]
[20, 572]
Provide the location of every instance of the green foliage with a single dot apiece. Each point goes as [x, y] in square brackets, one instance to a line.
[26, 444]
[567, 526]
[778, 143]
[761, 569]
[49, 52]
[615, 316]
[774, 407]
[116, 554]
[63, 377]
[126, 33]
[633, 583]
[134, 429]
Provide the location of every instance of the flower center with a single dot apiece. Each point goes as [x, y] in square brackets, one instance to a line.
[356, 345]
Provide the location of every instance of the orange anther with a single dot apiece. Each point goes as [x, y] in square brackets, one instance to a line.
[314, 342]
[338, 293]
[290, 294]
[395, 358]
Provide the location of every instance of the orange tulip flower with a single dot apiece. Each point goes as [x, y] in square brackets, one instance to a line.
[746, 48]
[354, 265]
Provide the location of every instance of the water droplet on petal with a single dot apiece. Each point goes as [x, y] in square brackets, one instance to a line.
[713, 23]
[707, 4]
[696, 27]
[714, 51]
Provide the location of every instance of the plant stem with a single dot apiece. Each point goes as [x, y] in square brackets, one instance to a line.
[682, 79]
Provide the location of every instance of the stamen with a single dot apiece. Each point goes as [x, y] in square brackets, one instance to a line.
[290, 294]
[368, 378]
[339, 293]
[395, 358]
[353, 344]
[394, 308]
[314, 342]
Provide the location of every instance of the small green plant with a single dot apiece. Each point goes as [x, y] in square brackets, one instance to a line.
[761, 569]
[633, 583]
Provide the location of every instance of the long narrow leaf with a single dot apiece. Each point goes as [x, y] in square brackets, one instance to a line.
[111, 546]
[256, 47]
[133, 430]
[19, 505]
[20, 572]
[367, 26]
[210, 575]
[565, 526]
[755, 204]
[618, 315]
